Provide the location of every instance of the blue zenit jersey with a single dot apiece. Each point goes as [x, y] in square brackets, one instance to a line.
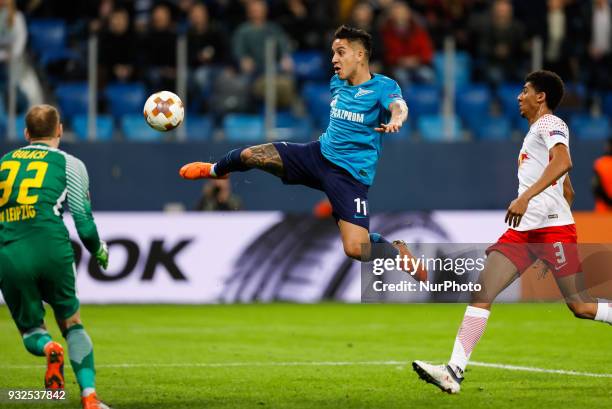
[350, 140]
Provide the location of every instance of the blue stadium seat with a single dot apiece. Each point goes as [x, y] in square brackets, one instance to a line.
[507, 94]
[135, 128]
[433, 128]
[125, 98]
[47, 35]
[607, 104]
[422, 100]
[104, 127]
[462, 67]
[291, 128]
[317, 98]
[310, 65]
[72, 99]
[199, 127]
[473, 103]
[588, 127]
[242, 127]
[493, 128]
[19, 127]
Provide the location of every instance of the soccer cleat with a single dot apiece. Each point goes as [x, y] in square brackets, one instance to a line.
[421, 273]
[440, 375]
[198, 170]
[54, 377]
[91, 401]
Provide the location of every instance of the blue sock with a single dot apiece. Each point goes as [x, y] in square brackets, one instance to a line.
[230, 163]
[382, 247]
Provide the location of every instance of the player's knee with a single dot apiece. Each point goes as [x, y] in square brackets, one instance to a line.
[583, 310]
[70, 322]
[246, 154]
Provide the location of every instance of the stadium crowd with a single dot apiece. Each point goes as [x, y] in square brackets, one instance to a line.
[138, 44]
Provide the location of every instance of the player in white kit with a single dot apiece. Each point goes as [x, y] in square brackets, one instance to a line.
[541, 227]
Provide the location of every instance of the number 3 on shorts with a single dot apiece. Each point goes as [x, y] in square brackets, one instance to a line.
[362, 206]
[560, 253]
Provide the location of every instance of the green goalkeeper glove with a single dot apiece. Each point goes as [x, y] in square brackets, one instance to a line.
[102, 255]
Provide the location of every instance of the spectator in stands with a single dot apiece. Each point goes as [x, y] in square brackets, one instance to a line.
[501, 45]
[217, 196]
[363, 18]
[207, 51]
[249, 44]
[408, 50]
[600, 45]
[295, 18]
[117, 45]
[602, 181]
[13, 37]
[557, 40]
[159, 46]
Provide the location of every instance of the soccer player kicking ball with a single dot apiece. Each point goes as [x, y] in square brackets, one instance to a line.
[540, 214]
[342, 163]
[36, 256]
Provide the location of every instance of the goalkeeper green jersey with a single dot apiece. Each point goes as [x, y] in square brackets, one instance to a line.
[36, 181]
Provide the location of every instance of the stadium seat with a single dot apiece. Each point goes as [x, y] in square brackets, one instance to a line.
[135, 128]
[125, 98]
[587, 127]
[433, 128]
[607, 104]
[242, 127]
[317, 98]
[472, 103]
[104, 127]
[199, 127]
[422, 100]
[310, 65]
[291, 128]
[72, 99]
[47, 35]
[462, 68]
[507, 94]
[573, 102]
[493, 128]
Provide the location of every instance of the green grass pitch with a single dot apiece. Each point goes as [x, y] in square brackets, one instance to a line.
[323, 356]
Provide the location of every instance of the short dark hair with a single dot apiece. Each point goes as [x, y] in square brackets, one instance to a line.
[41, 121]
[355, 34]
[549, 83]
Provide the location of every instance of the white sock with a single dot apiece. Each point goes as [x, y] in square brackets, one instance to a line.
[604, 311]
[212, 170]
[472, 327]
[87, 391]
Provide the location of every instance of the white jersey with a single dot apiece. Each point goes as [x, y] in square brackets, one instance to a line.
[549, 208]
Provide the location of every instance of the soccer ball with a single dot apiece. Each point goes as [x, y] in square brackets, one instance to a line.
[164, 111]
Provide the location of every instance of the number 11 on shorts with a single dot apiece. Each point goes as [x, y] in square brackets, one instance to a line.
[361, 205]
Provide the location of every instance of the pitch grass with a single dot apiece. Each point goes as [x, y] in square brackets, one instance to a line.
[537, 335]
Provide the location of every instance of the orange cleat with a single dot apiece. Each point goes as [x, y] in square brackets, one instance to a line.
[198, 170]
[54, 377]
[421, 273]
[91, 401]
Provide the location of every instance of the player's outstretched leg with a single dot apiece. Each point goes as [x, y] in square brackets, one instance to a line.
[499, 272]
[38, 342]
[80, 351]
[580, 302]
[264, 157]
[392, 250]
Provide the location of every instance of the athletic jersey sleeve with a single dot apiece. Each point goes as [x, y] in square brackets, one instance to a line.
[390, 91]
[553, 131]
[77, 182]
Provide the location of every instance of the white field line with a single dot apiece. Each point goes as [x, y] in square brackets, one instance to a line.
[321, 363]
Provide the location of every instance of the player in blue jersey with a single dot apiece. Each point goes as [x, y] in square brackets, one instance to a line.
[342, 163]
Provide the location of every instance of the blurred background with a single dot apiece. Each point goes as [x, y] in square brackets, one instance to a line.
[250, 71]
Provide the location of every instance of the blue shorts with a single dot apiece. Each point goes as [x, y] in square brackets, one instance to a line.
[304, 164]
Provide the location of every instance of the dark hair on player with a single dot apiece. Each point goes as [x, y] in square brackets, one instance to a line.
[549, 83]
[41, 121]
[355, 34]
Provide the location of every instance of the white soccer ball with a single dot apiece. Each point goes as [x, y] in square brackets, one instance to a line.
[164, 111]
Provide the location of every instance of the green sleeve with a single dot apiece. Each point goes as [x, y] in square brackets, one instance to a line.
[77, 182]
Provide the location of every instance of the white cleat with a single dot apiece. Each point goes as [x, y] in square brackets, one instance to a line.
[440, 375]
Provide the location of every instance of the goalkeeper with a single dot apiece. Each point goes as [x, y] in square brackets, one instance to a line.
[36, 256]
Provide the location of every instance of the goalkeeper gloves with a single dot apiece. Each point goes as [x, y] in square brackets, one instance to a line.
[102, 255]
